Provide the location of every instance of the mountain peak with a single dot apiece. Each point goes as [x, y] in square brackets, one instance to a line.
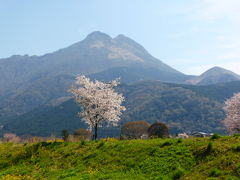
[121, 38]
[98, 35]
[215, 75]
[129, 43]
[218, 70]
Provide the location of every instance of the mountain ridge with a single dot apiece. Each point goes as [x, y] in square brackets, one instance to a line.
[215, 75]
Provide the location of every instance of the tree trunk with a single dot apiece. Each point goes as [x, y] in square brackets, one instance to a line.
[95, 135]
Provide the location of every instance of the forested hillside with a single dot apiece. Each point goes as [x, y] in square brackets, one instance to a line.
[182, 107]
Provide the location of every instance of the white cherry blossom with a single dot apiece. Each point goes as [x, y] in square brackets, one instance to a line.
[232, 108]
[99, 102]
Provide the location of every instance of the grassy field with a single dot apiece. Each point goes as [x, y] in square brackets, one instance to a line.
[197, 158]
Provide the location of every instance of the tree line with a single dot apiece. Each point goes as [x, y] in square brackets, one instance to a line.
[101, 104]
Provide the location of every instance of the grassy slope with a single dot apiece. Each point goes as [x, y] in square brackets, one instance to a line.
[113, 159]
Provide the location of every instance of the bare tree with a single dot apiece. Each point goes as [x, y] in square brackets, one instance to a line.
[99, 102]
[134, 129]
[82, 134]
[232, 108]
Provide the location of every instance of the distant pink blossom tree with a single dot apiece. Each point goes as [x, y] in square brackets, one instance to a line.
[232, 108]
[11, 137]
[99, 102]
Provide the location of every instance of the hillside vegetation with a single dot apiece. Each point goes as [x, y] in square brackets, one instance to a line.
[198, 158]
[183, 109]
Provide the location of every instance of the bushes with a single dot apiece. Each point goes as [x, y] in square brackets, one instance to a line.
[178, 173]
[215, 172]
[166, 143]
[215, 136]
[82, 134]
[100, 144]
[209, 148]
[236, 147]
[159, 130]
[238, 170]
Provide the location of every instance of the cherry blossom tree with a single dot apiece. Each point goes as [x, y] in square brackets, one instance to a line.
[232, 108]
[99, 102]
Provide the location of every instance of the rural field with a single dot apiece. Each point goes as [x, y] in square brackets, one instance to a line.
[194, 158]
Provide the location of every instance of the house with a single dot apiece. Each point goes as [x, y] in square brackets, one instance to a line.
[201, 134]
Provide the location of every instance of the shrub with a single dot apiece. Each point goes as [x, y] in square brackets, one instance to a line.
[167, 143]
[180, 140]
[178, 173]
[100, 144]
[236, 135]
[215, 136]
[209, 148]
[238, 170]
[215, 172]
[83, 142]
[236, 148]
[158, 130]
[134, 130]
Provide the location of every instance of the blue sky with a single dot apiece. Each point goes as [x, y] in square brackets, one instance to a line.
[190, 35]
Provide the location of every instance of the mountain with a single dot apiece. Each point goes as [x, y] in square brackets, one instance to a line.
[215, 75]
[28, 82]
[97, 52]
[33, 87]
[182, 107]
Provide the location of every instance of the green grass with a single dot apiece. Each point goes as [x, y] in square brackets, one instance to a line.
[160, 159]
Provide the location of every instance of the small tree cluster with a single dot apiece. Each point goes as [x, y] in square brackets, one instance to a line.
[137, 129]
[232, 108]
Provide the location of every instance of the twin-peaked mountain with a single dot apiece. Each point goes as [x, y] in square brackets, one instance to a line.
[98, 53]
[31, 82]
[102, 57]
